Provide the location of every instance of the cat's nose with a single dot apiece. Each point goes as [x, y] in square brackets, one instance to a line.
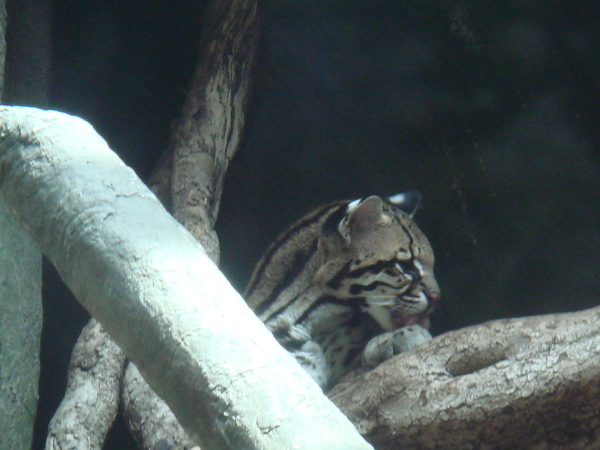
[434, 298]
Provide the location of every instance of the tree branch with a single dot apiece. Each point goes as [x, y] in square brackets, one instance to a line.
[92, 397]
[212, 124]
[156, 292]
[505, 384]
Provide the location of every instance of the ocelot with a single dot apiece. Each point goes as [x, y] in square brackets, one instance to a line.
[350, 282]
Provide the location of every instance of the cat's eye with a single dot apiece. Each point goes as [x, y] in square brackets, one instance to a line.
[409, 270]
[404, 266]
[413, 274]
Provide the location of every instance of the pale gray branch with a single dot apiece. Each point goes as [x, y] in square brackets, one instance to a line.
[153, 288]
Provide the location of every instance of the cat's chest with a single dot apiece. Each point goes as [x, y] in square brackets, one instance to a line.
[342, 345]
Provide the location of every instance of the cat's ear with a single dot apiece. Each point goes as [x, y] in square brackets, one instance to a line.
[408, 201]
[363, 214]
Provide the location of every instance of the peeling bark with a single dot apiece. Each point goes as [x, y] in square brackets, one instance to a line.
[514, 383]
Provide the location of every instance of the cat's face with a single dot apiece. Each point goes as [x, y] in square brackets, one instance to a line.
[382, 259]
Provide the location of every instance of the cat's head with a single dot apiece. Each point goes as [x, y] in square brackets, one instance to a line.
[375, 255]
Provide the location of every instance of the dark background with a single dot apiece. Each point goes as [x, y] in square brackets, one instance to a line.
[489, 109]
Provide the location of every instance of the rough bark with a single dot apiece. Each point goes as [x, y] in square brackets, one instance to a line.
[515, 383]
[213, 116]
[92, 396]
[91, 399]
[153, 288]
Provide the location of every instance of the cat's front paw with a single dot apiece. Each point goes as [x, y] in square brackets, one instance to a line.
[383, 346]
[407, 338]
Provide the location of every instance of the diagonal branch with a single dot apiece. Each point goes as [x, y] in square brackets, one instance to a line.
[153, 288]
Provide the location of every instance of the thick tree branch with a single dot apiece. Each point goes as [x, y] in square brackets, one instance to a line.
[160, 297]
[210, 130]
[505, 384]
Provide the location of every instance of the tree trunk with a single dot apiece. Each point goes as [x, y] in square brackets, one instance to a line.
[153, 288]
[20, 332]
[26, 50]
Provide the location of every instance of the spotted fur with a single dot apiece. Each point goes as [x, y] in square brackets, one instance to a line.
[351, 281]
